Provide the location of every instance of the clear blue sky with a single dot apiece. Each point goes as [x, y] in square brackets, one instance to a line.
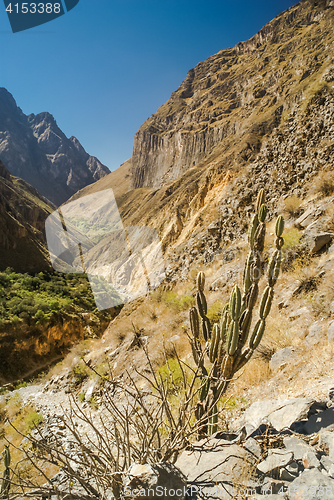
[103, 68]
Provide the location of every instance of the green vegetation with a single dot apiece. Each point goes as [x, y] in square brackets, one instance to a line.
[80, 373]
[291, 239]
[38, 299]
[32, 420]
[173, 300]
[171, 375]
[214, 312]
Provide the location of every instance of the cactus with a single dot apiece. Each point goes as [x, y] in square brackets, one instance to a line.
[5, 484]
[231, 343]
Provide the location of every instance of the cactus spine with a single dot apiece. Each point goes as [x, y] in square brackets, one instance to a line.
[5, 484]
[232, 342]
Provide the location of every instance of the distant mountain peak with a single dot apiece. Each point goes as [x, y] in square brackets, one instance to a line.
[34, 148]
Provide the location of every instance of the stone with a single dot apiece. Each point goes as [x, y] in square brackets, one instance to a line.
[280, 414]
[330, 332]
[293, 468]
[310, 460]
[298, 447]
[328, 464]
[312, 480]
[215, 461]
[90, 390]
[147, 481]
[316, 240]
[280, 358]
[311, 214]
[253, 447]
[326, 442]
[276, 459]
[319, 421]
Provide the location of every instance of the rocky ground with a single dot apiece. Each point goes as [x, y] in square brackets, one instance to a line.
[283, 448]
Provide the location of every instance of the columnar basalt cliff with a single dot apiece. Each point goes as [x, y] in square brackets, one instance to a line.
[34, 148]
[228, 103]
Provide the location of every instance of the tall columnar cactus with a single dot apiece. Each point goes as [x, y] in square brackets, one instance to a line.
[5, 483]
[230, 344]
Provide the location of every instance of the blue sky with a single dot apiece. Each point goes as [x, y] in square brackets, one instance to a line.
[104, 67]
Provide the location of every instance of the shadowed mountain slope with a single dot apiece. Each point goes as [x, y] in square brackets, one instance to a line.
[22, 216]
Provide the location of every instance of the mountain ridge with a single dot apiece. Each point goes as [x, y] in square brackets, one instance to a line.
[34, 148]
[234, 97]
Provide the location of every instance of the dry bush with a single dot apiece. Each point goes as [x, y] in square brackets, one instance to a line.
[324, 184]
[133, 426]
[291, 206]
[330, 214]
[253, 374]
[279, 333]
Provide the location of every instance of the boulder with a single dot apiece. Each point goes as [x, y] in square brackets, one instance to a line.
[276, 459]
[253, 447]
[314, 333]
[310, 460]
[279, 414]
[328, 464]
[297, 446]
[315, 238]
[326, 443]
[309, 216]
[312, 484]
[215, 461]
[155, 481]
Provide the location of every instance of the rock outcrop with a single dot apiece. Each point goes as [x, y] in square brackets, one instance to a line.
[34, 148]
[227, 104]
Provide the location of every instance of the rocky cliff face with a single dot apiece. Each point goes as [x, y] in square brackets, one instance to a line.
[34, 148]
[22, 216]
[258, 115]
[227, 104]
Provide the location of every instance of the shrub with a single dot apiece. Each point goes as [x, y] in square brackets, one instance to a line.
[214, 312]
[177, 302]
[32, 420]
[40, 317]
[291, 239]
[324, 184]
[80, 373]
[291, 206]
[171, 374]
